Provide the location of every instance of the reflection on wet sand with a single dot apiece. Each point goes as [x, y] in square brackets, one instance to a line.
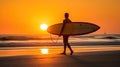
[15, 51]
[44, 51]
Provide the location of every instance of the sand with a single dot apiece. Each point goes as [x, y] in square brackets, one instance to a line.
[98, 58]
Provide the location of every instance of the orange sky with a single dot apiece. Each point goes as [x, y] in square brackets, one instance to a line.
[25, 16]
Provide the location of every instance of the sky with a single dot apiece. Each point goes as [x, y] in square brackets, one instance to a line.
[26, 16]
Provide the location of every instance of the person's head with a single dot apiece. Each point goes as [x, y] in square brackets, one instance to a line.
[66, 15]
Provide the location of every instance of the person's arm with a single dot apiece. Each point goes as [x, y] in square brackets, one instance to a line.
[64, 23]
[62, 28]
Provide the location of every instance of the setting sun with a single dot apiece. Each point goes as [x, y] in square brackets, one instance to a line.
[43, 27]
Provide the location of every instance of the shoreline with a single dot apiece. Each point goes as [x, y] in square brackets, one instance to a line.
[15, 51]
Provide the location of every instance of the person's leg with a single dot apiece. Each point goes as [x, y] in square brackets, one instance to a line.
[69, 46]
[64, 42]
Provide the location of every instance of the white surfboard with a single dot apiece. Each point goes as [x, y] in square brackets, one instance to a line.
[73, 28]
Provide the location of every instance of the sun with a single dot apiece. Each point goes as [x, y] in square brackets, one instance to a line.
[43, 27]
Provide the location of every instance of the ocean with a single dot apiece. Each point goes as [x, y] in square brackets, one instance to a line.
[53, 40]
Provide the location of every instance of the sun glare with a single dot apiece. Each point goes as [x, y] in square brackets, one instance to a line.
[44, 51]
[43, 27]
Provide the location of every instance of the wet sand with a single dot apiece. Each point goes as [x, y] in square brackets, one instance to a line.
[99, 56]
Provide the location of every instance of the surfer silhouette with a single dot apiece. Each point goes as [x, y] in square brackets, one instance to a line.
[65, 37]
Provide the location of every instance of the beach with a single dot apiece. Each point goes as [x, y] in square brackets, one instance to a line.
[84, 56]
[36, 33]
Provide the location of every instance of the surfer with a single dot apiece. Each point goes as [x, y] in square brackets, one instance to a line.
[65, 37]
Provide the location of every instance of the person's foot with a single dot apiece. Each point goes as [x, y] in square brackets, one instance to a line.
[71, 53]
[63, 53]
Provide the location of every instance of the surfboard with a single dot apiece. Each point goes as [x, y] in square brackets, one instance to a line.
[73, 28]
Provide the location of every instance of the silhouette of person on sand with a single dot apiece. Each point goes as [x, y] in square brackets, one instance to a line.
[65, 37]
